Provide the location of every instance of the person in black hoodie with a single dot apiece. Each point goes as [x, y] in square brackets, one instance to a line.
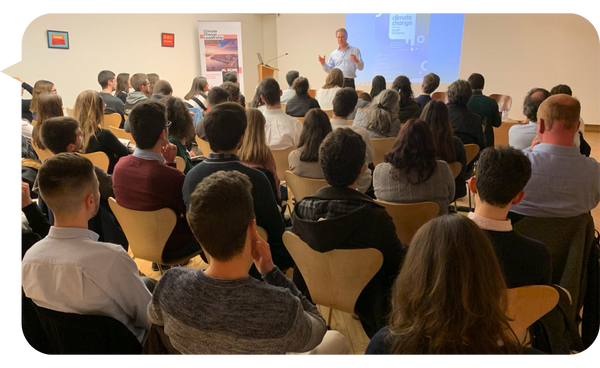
[340, 217]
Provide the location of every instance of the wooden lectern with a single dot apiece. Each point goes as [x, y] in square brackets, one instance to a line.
[265, 71]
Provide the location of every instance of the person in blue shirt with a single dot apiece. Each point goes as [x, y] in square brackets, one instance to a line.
[346, 58]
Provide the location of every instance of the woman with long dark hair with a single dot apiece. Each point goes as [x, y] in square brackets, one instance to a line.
[197, 94]
[304, 161]
[49, 105]
[409, 109]
[377, 85]
[450, 296]
[40, 87]
[181, 130]
[410, 173]
[448, 147]
[123, 86]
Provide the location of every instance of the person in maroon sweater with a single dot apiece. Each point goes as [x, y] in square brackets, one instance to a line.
[148, 180]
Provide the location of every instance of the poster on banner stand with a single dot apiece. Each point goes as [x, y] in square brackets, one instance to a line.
[221, 51]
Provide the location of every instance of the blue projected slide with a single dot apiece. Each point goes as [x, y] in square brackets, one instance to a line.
[407, 44]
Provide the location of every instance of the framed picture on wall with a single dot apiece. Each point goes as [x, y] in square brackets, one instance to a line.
[168, 39]
[58, 40]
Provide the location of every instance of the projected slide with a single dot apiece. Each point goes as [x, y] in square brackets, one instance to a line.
[407, 44]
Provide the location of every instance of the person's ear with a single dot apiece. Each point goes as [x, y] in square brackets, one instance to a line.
[473, 185]
[262, 99]
[89, 202]
[71, 147]
[518, 198]
[541, 125]
[280, 93]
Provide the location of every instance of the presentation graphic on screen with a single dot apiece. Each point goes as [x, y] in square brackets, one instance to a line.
[407, 44]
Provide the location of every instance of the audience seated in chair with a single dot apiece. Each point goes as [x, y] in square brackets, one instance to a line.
[108, 83]
[409, 109]
[485, 107]
[563, 182]
[282, 131]
[380, 117]
[148, 180]
[41, 86]
[304, 160]
[49, 105]
[225, 125]
[441, 306]
[161, 89]
[340, 217]
[181, 131]
[196, 97]
[232, 77]
[123, 86]
[403, 178]
[69, 270]
[578, 140]
[141, 87]
[431, 81]
[221, 310]
[467, 125]
[333, 83]
[216, 95]
[520, 136]
[233, 90]
[502, 173]
[299, 104]
[363, 100]
[290, 77]
[343, 104]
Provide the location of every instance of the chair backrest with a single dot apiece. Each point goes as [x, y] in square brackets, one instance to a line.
[381, 146]
[350, 122]
[146, 231]
[329, 113]
[336, 278]
[262, 233]
[527, 304]
[283, 107]
[442, 96]
[303, 187]
[281, 161]
[504, 101]
[300, 119]
[41, 153]
[409, 217]
[471, 151]
[113, 120]
[455, 168]
[312, 93]
[71, 333]
[180, 163]
[98, 158]
[70, 112]
[121, 133]
[501, 132]
[204, 146]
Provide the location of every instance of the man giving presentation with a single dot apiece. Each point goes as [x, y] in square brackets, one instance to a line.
[346, 58]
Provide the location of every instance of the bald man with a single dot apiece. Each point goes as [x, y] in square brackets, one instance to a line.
[563, 182]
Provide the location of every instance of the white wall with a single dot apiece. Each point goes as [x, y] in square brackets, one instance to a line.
[514, 52]
[131, 44]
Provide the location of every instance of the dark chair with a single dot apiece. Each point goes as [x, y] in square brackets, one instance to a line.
[70, 333]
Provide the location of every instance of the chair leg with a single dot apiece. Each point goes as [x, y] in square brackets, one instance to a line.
[329, 319]
[160, 268]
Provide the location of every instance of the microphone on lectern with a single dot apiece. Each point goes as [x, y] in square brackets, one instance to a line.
[267, 63]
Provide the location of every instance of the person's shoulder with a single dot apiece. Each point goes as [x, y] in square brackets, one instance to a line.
[379, 343]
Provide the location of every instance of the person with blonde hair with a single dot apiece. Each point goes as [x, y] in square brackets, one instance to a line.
[441, 306]
[333, 83]
[89, 111]
[49, 105]
[254, 151]
[39, 87]
[123, 86]
[380, 118]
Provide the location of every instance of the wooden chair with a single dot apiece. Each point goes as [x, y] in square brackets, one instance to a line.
[501, 132]
[336, 278]
[301, 119]
[113, 120]
[504, 101]
[41, 153]
[147, 232]
[99, 159]
[358, 92]
[409, 217]
[471, 151]
[262, 233]
[455, 168]
[283, 107]
[303, 187]
[312, 93]
[442, 96]
[350, 122]
[527, 304]
[121, 134]
[180, 163]
[70, 112]
[204, 146]
[281, 161]
[381, 146]
[329, 113]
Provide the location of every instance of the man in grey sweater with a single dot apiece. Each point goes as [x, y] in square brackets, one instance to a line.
[222, 310]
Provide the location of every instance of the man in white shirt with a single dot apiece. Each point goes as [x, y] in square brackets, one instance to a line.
[290, 77]
[346, 58]
[70, 271]
[343, 104]
[282, 131]
[520, 136]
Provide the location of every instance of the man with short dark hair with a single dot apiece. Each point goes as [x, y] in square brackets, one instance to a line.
[108, 83]
[340, 217]
[485, 107]
[343, 104]
[161, 89]
[282, 131]
[431, 81]
[466, 124]
[232, 77]
[290, 77]
[70, 271]
[148, 180]
[225, 125]
[520, 136]
[240, 315]
[215, 96]
[502, 173]
[141, 86]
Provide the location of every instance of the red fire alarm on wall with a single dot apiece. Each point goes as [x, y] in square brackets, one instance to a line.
[168, 39]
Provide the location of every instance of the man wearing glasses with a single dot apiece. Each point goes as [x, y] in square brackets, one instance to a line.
[148, 180]
[141, 91]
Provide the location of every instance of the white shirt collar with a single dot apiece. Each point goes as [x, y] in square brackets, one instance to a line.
[489, 224]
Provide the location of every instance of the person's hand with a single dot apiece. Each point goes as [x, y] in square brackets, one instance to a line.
[25, 196]
[353, 58]
[261, 253]
[192, 113]
[535, 142]
[192, 154]
[322, 59]
[169, 151]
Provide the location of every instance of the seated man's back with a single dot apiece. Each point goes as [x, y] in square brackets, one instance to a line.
[282, 131]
